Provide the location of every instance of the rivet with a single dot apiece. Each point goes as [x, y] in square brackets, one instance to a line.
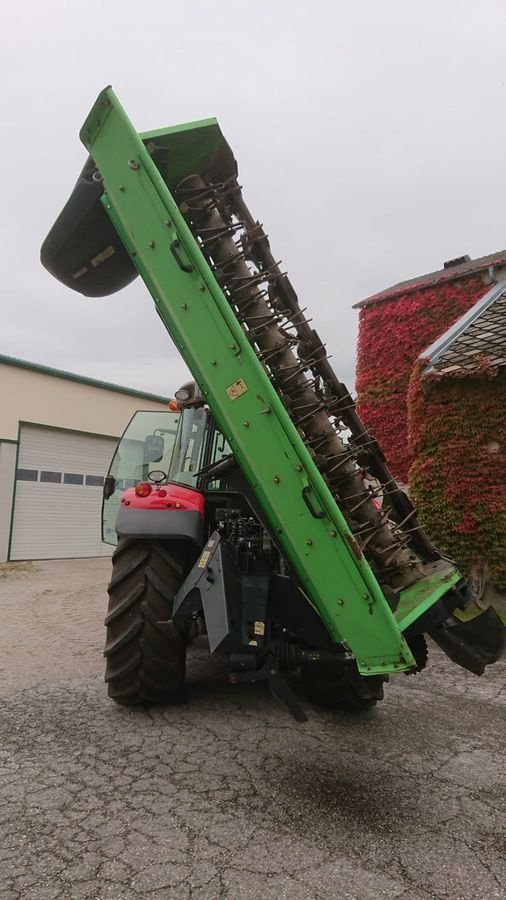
[151, 244]
[184, 306]
[246, 424]
[309, 542]
[340, 602]
[202, 288]
[298, 468]
[168, 223]
[276, 479]
[333, 533]
[121, 187]
[213, 362]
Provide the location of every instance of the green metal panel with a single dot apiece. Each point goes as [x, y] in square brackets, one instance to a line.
[264, 440]
[418, 598]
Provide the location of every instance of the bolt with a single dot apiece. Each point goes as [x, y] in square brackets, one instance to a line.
[133, 164]
[168, 223]
[276, 479]
[333, 533]
[184, 306]
[246, 424]
[213, 362]
[298, 468]
[151, 244]
[340, 602]
[309, 542]
[121, 187]
[202, 288]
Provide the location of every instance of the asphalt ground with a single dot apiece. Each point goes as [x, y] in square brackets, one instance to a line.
[226, 796]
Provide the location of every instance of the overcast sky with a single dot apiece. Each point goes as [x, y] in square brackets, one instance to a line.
[370, 137]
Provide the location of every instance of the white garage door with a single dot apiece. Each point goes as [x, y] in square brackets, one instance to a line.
[59, 494]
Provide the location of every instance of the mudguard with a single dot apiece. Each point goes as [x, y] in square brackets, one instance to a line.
[160, 524]
[474, 644]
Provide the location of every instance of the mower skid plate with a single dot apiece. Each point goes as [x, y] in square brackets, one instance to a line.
[416, 608]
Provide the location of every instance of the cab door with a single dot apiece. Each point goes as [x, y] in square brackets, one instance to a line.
[147, 443]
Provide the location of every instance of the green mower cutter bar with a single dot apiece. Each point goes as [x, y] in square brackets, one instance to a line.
[172, 196]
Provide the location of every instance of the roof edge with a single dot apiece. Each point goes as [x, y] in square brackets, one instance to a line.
[80, 379]
[435, 351]
[420, 282]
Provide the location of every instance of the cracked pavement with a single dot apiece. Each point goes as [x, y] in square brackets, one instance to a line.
[226, 796]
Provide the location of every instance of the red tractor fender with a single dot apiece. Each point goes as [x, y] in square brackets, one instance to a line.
[172, 512]
[169, 496]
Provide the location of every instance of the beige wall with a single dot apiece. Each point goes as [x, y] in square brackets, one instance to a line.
[32, 396]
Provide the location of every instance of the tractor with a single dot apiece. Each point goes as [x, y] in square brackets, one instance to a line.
[258, 509]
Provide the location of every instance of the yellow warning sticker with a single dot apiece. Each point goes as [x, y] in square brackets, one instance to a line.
[260, 628]
[237, 389]
[202, 563]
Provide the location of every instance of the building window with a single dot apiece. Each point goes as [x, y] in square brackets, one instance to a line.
[27, 474]
[72, 478]
[95, 480]
[51, 477]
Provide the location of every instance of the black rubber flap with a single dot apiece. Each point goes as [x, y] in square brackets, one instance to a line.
[83, 250]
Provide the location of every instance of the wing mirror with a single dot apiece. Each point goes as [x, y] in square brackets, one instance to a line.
[109, 486]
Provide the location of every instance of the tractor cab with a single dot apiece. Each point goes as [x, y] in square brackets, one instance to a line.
[160, 454]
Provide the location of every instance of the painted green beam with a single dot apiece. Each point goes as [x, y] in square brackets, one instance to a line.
[266, 444]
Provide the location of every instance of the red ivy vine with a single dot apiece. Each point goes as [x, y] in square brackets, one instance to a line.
[392, 334]
[457, 483]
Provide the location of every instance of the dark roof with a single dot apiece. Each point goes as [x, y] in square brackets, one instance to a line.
[479, 333]
[449, 272]
[82, 379]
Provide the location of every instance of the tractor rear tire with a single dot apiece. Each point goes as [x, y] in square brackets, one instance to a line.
[145, 652]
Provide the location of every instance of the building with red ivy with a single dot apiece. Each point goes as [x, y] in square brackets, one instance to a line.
[457, 433]
[395, 327]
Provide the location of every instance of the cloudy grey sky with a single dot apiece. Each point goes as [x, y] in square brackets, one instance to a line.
[370, 136]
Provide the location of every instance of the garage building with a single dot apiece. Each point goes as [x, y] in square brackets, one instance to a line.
[58, 433]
